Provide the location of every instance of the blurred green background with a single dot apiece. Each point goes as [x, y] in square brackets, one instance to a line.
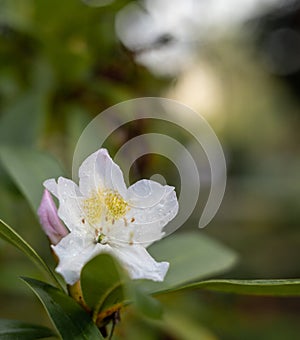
[61, 64]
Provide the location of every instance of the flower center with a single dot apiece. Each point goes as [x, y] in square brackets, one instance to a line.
[102, 239]
[93, 208]
[108, 204]
[115, 205]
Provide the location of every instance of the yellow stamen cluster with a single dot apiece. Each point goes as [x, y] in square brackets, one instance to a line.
[106, 202]
[93, 208]
[115, 205]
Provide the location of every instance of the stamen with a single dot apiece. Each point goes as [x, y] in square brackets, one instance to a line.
[108, 204]
[93, 208]
[131, 234]
[116, 206]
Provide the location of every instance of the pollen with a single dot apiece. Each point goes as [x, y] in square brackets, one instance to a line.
[108, 204]
[116, 206]
[93, 208]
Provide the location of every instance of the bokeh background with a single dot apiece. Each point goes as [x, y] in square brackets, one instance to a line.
[63, 62]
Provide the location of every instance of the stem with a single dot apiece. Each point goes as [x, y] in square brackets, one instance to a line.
[102, 300]
[75, 292]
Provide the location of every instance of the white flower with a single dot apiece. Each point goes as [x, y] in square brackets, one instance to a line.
[104, 216]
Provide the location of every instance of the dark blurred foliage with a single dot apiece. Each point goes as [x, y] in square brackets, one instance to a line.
[279, 43]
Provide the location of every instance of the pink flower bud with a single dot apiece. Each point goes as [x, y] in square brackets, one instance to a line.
[52, 225]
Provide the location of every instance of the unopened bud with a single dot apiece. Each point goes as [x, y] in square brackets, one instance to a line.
[51, 223]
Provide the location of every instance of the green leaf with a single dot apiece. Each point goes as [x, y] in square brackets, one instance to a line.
[70, 320]
[184, 327]
[280, 287]
[102, 283]
[12, 237]
[14, 330]
[145, 303]
[105, 285]
[29, 168]
[192, 256]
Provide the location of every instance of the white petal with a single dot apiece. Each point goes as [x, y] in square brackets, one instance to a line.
[139, 263]
[74, 251]
[145, 223]
[69, 197]
[99, 171]
[51, 185]
[133, 233]
[145, 193]
[162, 211]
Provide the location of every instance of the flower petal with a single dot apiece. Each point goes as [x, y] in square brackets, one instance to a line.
[145, 221]
[132, 233]
[145, 193]
[74, 251]
[52, 225]
[139, 263]
[70, 206]
[99, 171]
[51, 185]
[162, 211]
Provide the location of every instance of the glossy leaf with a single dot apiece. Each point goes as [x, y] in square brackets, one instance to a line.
[14, 329]
[192, 256]
[11, 236]
[29, 168]
[105, 286]
[70, 320]
[102, 282]
[281, 287]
